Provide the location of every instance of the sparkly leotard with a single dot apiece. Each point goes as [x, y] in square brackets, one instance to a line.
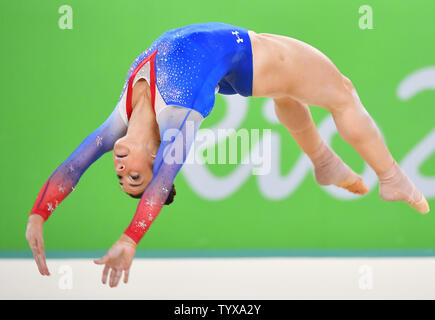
[189, 65]
[185, 67]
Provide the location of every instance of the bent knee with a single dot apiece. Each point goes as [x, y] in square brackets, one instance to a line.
[347, 83]
[345, 96]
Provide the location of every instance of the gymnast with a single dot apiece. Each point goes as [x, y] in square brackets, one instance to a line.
[173, 83]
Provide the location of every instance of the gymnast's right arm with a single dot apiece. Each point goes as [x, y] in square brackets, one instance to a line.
[64, 179]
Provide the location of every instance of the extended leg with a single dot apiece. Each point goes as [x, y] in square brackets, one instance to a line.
[328, 167]
[357, 128]
[287, 67]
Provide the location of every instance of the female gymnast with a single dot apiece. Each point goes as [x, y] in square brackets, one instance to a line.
[173, 83]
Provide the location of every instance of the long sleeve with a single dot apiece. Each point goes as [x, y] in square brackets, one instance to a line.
[177, 129]
[64, 179]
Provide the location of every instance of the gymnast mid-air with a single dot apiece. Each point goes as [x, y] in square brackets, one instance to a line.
[173, 83]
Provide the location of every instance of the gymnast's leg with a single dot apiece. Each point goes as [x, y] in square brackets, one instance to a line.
[357, 128]
[287, 67]
[328, 167]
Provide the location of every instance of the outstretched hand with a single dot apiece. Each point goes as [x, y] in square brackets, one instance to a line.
[117, 260]
[34, 235]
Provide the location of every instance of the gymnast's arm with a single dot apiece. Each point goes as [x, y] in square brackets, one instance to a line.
[177, 130]
[177, 135]
[64, 179]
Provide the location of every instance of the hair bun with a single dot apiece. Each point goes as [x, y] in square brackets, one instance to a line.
[171, 196]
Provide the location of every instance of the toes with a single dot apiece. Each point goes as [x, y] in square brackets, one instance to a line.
[358, 187]
[421, 206]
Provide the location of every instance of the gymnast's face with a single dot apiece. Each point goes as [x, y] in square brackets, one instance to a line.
[133, 165]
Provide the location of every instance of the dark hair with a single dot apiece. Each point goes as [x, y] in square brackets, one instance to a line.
[168, 201]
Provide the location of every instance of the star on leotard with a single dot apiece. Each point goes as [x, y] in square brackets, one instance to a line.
[142, 224]
[165, 190]
[61, 188]
[150, 217]
[50, 207]
[99, 141]
[150, 202]
[71, 169]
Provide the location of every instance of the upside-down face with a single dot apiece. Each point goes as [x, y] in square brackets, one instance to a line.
[133, 165]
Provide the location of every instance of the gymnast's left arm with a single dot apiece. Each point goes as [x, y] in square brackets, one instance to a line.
[178, 127]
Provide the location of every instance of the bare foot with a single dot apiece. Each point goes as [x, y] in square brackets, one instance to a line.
[396, 186]
[329, 169]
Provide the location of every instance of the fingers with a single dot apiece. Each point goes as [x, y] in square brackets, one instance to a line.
[126, 274]
[35, 251]
[42, 256]
[115, 276]
[103, 260]
[112, 277]
[38, 263]
[117, 260]
[105, 274]
[37, 248]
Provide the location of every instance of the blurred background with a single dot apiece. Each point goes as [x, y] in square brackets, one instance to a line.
[63, 66]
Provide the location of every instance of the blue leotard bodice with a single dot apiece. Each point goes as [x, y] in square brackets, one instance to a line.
[194, 62]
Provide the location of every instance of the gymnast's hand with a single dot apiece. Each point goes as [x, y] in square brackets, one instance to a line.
[119, 259]
[36, 242]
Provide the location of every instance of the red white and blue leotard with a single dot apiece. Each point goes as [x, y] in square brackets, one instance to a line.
[185, 67]
[189, 63]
